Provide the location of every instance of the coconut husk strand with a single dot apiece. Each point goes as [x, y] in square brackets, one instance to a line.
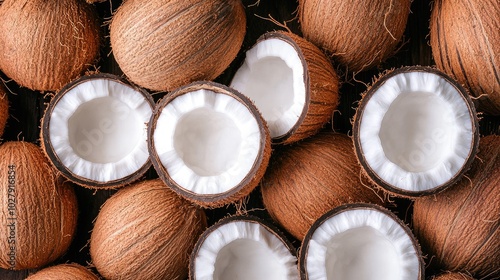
[145, 231]
[164, 44]
[459, 228]
[310, 178]
[452, 276]
[357, 34]
[64, 272]
[38, 210]
[465, 44]
[4, 109]
[46, 44]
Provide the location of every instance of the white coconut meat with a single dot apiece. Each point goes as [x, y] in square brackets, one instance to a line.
[243, 250]
[272, 76]
[361, 244]
[98, 130]
[416, 131]
[208, 142]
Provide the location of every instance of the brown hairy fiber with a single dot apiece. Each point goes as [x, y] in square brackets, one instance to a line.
[4, 109]
[452, 276]
[64, 272]
[145, 231]
[465, 43]
[38, 211]
[358, 34]
[46, 44]
[310, 178]
[459, 228]
[164, 44]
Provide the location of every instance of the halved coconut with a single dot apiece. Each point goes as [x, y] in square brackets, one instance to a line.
[94, 131]
[360, 241]
[209, 143]
[292, 83]
[415, 131]
[244, 248]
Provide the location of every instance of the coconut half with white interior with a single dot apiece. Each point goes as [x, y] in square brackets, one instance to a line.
[244, 248]
[209, 143]
[415, 131]
[94, 131]
[360, 241]
[293, 84]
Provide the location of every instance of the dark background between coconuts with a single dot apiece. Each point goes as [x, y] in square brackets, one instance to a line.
[27, 107]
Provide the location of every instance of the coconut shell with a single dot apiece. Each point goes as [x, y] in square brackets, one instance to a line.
[452, 276]
[46, 44]
[4, 109]
[358, 34]
[307, 180]
[164, 44]
[39, 211]
[465, 44]
[64, 272]
[145, 231]
[459, 228]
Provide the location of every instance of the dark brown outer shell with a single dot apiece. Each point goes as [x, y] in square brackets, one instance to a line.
[46, 44]
[248, 183]
[4, 109]
[452, 276]
[465, 41]
[64, 272]
[249, 219]
[371, 174]
[460, 228]
[54, 158]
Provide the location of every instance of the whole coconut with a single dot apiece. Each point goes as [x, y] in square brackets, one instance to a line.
[46, 44]
[145, 231]
[459, 228]
[64, 272]
[359, 34]
[4, 109]
[452, 276]
[306, 180]
[163, 44]
[38, 211]
[465, 41]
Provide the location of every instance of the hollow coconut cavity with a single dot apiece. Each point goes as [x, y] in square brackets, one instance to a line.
[415, 131]
[209, 143]
[243, 248]
[94, 131]
[360, 241]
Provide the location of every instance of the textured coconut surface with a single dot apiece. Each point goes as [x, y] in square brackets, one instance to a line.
[26, 108]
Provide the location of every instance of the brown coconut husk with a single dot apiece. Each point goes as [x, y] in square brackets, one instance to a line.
[452, 276]
[465, 44]
[4, 109]
[40, 210]
[307, 180]
[357, 34]
[64, 272]
[163, 44]
[145, 231]
[459, 228]
[46, 44]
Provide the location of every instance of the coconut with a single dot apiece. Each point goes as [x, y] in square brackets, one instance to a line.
[357, 34]
[4, 109]
[452, 276]
[415, 131]
[94, 131]
[460, 228]
[292, 83]
[164, 44]
[209, 143]
[64, 272]
[306, 180]
[465, 44]
[145, 231]
[38, 212]
[244, 248]
[360, 241]
[44, 45]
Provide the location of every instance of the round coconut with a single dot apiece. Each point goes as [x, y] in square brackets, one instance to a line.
[459, 228]
[145, 231]
[308, 179]
[64, 272]
[357, 34]
[452, 276]
[466, 44]
[39, 212]
[4, 109]
[164, 44]
[44, 45]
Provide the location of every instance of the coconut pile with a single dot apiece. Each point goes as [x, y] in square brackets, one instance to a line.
[243, 139]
